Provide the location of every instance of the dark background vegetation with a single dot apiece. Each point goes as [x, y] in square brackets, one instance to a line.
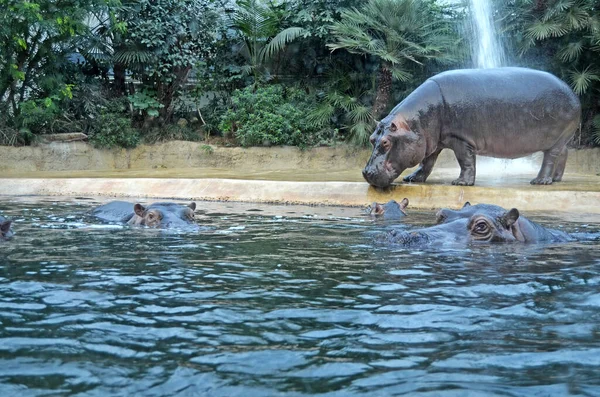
[249, 72]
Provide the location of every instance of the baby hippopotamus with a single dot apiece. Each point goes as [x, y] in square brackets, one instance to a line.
[5, 230]
[479, 223]
[156, 215]
[388, 211]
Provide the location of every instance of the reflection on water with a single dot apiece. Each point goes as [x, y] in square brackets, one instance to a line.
[281, 299]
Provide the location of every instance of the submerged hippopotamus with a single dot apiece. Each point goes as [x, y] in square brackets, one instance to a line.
[479, 223]
[503, 112]
[157, 215]
[5, 230]
[388, 211]
[523, 229]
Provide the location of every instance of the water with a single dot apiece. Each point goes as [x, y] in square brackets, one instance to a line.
[274, 300]
[487, 49]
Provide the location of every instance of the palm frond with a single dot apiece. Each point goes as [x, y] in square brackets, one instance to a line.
[571, 51]
[581, 81]
[542, 30]
[279, 42]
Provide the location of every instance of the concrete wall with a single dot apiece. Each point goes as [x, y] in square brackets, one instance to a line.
[180, 154]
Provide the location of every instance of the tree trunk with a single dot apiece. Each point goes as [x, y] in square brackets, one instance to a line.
[166, 93]
[384, 88]
[119, 72]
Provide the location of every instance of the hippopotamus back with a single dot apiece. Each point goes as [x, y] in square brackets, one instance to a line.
[505, 112]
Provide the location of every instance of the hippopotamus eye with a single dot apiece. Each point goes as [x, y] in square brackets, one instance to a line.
[481, 226]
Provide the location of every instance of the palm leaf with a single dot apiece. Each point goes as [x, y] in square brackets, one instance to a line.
[571, 51]
[582, 80]
[279, 42]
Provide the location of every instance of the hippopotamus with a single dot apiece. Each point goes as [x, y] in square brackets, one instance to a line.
[156, 215]
[476, 224]
[499, 112]
[5, 230]
[524, 230]
[388, 211]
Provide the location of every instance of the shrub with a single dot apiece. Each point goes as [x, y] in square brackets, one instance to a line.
[114, 130]
[273, 115]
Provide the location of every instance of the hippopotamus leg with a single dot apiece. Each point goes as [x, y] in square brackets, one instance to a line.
[465, 154]
[559, 168]
[552, 160]
[421, 173]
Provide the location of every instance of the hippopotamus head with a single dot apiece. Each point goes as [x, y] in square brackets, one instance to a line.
[446, 215]
[479, 227]
[163, 215]
[389, 210]
[395, 148]
[5, 230]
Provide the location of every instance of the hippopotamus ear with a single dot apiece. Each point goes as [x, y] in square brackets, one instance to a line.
[510, 217]
[399, 123]
[467, 204]
[139, 209]
[5, 226]
[192, 205]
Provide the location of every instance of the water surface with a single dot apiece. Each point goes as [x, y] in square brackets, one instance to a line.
[289, 300]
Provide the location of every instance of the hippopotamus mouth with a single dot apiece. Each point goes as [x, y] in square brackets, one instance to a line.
[382, 176]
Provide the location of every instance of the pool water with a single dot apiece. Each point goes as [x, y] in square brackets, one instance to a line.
[289, 300]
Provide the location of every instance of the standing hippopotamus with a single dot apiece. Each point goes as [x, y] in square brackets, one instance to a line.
[5, 230]
[388, 211]
[503, 112]
[479, 223]
[157, 215]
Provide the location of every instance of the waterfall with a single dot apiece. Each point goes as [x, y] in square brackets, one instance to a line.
[487, 49]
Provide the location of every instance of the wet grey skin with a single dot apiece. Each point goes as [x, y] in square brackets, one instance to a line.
[392, 210]
[523, 230]
[485, 224]
[6, 231]
[164, 215]
[502, 112]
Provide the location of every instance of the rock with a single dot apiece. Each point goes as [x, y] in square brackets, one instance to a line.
[182, 123]
[67, 137]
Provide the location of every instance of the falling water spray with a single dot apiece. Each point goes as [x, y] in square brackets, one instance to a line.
[487, 49]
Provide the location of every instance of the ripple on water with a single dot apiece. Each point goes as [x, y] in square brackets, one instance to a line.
[291, 301]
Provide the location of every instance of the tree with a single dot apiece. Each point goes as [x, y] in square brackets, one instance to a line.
[164, 41]
[37, 37]
[399, 34]
[260, 30]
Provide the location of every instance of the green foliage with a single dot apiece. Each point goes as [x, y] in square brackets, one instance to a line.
[402, 35]
[596, 129]
[112, 127]
[145, 103]
[272, 115]
[114, 131]
[172, 132]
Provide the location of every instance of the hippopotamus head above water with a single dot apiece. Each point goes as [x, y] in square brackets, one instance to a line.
[156, 215]
[479, 223]
[389, 210]
[479, 228]
[163, 215]
[5, 230]
[502, 112]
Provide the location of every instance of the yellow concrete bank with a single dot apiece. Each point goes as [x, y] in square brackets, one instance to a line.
[322, 176]
[426, 196]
